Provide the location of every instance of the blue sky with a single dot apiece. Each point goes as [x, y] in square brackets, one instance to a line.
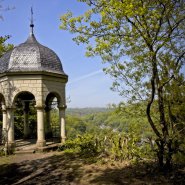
[88, 86]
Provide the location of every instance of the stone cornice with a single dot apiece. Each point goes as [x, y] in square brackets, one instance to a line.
[43, 74]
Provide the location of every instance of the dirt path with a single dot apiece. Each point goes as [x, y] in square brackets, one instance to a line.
[58, 168]
[30, 157]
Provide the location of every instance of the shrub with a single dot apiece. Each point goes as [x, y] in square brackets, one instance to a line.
[113, 146]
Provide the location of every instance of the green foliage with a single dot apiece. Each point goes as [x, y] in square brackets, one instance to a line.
[75, 126]
[113, 146]
[19, 121]
[85, 145]
[4, 47]
[79, 112]
[122, 118]
[144, 43]
[122, 133]
[54, 122]
[2, 153]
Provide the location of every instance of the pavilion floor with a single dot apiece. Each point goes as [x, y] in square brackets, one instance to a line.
[29, 146]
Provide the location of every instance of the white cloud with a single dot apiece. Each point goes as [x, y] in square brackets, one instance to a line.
[85, 76]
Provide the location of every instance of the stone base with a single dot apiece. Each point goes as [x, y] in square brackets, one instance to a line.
[11, 144]
[63, 140]
[10, 147]
[41, 143]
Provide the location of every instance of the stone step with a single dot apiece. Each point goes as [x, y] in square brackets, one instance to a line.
[25, 152]
[48, 148]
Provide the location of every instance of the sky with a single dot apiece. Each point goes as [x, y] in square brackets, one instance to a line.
[88, 86]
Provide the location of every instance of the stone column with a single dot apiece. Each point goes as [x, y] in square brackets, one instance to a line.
[48, 130]
[4, 126]
[4, 117]
[62, 123]
[26, 124]
[10, 126]
[40, 127]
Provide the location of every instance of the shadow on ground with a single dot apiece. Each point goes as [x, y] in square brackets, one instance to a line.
[57, 169]
[70, 169]
[143, 174]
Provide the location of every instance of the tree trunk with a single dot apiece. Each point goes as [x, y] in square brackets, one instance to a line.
[164, 146]
[169, 154]
[160, 153]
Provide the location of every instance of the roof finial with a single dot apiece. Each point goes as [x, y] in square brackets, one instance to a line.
[31, 21]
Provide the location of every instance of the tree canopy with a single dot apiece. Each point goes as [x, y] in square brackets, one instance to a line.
[144, 43]
[4, 47]
[129, 35]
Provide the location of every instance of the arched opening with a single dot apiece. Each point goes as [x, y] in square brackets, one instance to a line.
[52, 126]
[25, 119]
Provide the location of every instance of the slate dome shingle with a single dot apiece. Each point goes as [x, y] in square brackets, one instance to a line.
[31, 56]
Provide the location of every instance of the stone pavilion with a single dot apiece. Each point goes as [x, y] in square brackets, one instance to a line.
[32, 72]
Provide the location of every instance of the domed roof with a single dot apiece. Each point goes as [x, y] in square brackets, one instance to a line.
[31, 56]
